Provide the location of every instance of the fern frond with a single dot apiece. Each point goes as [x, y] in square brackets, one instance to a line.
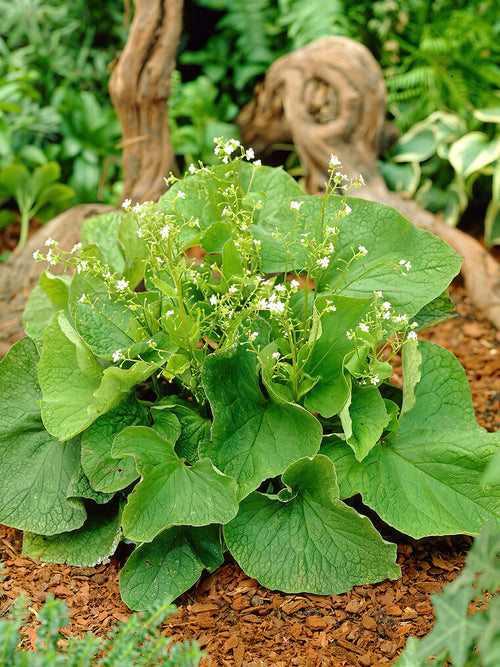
[417, 77]
[249, 21]
[306, 20]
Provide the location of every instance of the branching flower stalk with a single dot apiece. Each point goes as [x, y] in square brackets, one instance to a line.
[228, 309]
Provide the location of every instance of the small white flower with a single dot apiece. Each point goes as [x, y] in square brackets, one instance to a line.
[331, 307]
[414, 325]
[405, 263]
[334, 161]
[347, 209]
[50, 241]
[276, 307]
[250, 154]
[121, 284]
[35, 254]
[375, 380]
[349, 335]
[259, 204]
[117, 355]
[233, 289]
[412, 335]
[253, 335]
[275, 355]
[379, 293]
[256, 242]
[362, 249]
[257, 163]
[295, 284]
[386, 305]
[324, 262]
[82, 266]
[140, 233]
[225, 159]
[106, 275]
[82, 298]
[213, 299]
[168, 313]
[76, 247]
[160, 260]
[280, 288]
[126, 204]
[181, 195]
[401, 318]
[361, 179]
[295, 205]
[165, 232]
[192, 169]
[364, 327]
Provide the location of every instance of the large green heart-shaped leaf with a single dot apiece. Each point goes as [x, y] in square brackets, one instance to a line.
[307, 539]
[425, 478]
[102, 231]
[253, 438]
[33, 497]
[90, 545]
[195, 429]
[107, 323]
[389, 238]
[75, 388]
[48, 297]
[332, 391]
[363, 419]
[171, 492]
[166, 567]
[105, 472]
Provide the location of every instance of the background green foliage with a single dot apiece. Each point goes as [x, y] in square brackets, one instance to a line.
[54, 103]
[437, 56]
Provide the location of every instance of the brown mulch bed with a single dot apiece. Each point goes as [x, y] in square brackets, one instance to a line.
[237, 622]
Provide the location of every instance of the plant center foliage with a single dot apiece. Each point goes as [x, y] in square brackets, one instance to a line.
[234, 397]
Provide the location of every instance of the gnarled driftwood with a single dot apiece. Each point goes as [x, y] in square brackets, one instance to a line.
[330, 97]
[139, 89]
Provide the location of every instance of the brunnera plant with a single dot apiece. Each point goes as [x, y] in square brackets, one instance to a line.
[234, 398]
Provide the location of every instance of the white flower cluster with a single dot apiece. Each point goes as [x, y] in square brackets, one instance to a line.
[272, 304]
[226, 147]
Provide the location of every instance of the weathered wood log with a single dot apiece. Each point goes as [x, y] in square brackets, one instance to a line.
[139, 89]
[329, 97]
[20, 274]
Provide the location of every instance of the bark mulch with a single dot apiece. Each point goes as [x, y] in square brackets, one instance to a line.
[239, 623]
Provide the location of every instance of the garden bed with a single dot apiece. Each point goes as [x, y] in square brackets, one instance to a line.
[237, 622]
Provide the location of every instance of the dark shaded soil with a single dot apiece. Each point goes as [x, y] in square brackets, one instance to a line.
[238, 622]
